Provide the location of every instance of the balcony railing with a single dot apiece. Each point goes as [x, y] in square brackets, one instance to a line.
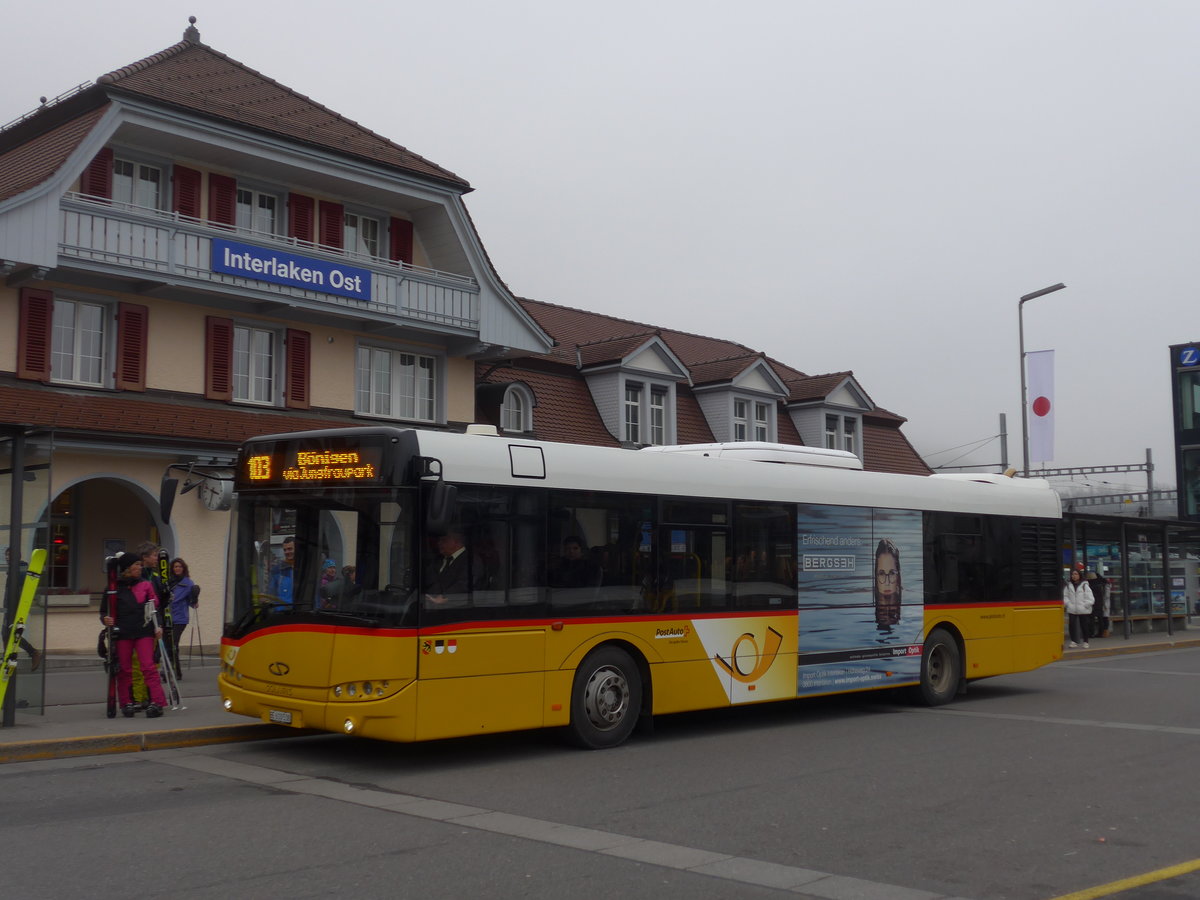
[177, 249]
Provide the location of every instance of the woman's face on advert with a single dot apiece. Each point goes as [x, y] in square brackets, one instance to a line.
[887, 574]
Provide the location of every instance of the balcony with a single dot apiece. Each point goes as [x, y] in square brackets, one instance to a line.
[155, 246]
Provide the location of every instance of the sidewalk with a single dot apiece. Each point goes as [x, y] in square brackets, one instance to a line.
[72, 727]
[81, 728]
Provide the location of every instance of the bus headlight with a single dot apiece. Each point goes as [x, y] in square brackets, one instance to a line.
[348, 726]
[227, 703]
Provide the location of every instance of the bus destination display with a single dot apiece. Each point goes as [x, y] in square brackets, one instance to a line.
[282, 464]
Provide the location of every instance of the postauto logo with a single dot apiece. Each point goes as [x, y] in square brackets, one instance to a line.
[739, 653]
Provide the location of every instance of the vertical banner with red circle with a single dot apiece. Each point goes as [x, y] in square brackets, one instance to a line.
[1041, 405]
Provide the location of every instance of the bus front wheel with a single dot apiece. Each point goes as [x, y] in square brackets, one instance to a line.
[606, 699]
[941, 668]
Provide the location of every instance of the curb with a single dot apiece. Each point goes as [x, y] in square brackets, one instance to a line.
[139, 741]
[1119, 650]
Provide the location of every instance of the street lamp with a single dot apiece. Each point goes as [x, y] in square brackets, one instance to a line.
[1024, 404]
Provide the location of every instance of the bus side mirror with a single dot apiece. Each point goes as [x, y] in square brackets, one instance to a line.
[166, 497]
[439, 514]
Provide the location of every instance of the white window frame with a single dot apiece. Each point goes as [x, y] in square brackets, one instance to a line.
[355, 242]
[843, 432]
[136, 196]
[71, 346]
[391, 392]
[659, 401]
[254, 208]
[631, 417]
[741, 419]
[762, 421]
[257, 375]
[516, 410]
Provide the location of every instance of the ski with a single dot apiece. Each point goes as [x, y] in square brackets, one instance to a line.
[163, 590]
[109, 607]
[166, 644]
[168, 677]
[17, 631]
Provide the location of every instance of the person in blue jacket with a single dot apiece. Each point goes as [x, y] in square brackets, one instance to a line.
[182, 602]
[283, 574]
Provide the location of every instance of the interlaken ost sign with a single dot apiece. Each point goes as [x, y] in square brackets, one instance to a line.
[280, 267]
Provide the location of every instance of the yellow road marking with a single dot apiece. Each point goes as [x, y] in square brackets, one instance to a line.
[1115, 887]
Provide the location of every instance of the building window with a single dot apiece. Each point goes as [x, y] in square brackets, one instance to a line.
[136, 184]
[395, 384]
[762, 422]
[254, 359]
[513, 412]
[841, 433]
[633, 413]
[256, 211]
[741, 423]
[77, 350]
[658, 417]
[361, 235]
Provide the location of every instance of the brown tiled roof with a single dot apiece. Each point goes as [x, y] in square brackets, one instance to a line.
[721, 370]
[886, 449]
[149, 416]
[565, 410]
[608, 351]
[691, 427]
[28, 165]
[193, 76]
[815, 387]
[576, 326]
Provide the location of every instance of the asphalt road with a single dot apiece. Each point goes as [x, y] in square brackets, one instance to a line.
[1032, 786]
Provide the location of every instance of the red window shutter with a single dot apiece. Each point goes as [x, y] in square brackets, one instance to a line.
[222, 199]
[33, 334]
[97, 178]
[132, 332]
[218, 358]
[333, 224]
[401, 239]
[187, 192]
[300, 217]
[299, 346]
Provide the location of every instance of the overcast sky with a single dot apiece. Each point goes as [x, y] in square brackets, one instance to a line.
[864, 186]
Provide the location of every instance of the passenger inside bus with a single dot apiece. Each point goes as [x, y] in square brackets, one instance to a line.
[452, 574]
[574, 569]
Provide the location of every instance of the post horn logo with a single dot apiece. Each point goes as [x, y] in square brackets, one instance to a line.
[279, 668]
[762, 661]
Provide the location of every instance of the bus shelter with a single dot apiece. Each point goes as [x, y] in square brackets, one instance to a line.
[1152, 567]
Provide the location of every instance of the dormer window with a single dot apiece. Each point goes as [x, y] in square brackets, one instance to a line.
[633, 413]
[516, 410]
[841, 433]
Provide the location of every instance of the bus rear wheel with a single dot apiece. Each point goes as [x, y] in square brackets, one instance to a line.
[941, 668]
[606, 699]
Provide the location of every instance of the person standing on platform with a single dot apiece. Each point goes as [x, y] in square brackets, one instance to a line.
[1077, 598]
[135, 614]
[182, 601]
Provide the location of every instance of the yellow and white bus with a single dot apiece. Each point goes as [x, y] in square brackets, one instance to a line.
[409, 585]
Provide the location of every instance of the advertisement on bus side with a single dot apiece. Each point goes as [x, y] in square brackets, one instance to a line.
[861, 603]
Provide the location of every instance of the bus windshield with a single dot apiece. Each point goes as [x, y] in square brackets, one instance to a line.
[328, 556]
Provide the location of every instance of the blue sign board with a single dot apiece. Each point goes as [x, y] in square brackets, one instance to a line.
[279, 267]
[1189, 356]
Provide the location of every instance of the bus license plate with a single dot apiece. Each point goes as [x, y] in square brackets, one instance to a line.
[279, 717]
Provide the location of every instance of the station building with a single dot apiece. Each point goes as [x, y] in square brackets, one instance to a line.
[192, 253]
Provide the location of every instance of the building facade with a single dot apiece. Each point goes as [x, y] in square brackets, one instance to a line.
[192, 253]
